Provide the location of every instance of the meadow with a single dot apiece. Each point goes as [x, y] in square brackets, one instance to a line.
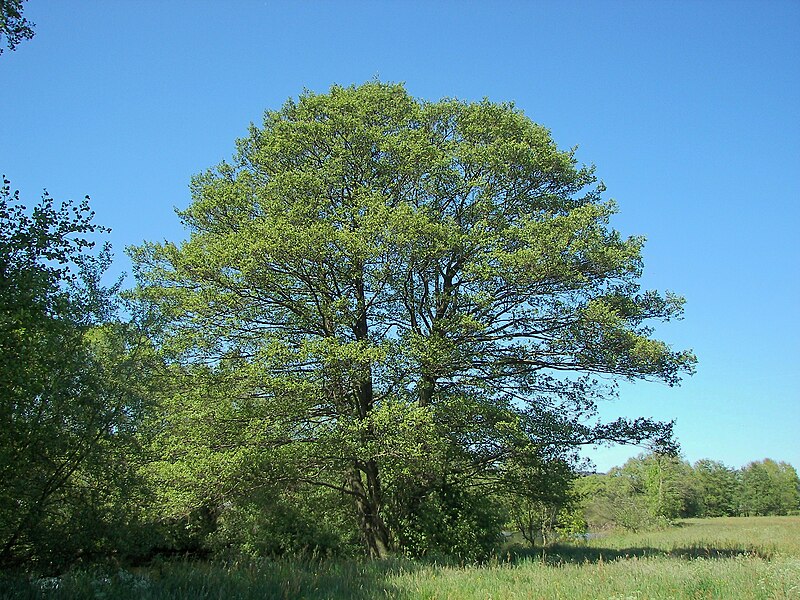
[726, 558]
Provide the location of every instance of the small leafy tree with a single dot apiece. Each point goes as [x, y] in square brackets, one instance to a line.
[647, 491]
[616, 501]
[668, 486]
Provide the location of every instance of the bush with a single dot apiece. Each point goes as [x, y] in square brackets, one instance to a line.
[447, 521]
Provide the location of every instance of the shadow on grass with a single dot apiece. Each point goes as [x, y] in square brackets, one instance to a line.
[564, 553]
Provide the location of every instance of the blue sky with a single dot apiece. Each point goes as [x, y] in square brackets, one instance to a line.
[689, 110]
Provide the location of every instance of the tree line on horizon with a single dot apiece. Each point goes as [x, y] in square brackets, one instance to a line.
[652, 490]
[386, 333]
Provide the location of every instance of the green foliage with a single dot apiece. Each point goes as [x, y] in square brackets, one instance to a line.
[769, 488]
[379, 295]
[446, 520]
[66, 411]
[306, 522]
[668, 485]
[649, 491]
[646, 492]
[718, 489]
[613, 502]
[541, 501]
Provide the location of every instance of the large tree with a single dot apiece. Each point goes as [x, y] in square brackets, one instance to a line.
[405, 296]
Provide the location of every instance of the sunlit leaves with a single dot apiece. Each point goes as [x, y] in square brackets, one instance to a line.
[377, 277]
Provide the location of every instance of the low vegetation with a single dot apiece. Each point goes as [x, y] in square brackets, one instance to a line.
[725, 558]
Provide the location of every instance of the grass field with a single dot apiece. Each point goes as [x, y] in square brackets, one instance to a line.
[730, 558]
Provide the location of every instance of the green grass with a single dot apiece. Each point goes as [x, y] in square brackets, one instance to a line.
[742, 558]
[729, 558]
[761, 535]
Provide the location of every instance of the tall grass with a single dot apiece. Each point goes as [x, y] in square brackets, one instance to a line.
[738, 558]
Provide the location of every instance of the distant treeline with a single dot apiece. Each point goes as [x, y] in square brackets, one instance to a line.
[653, 489]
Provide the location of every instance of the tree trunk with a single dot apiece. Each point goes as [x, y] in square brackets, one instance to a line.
[426, 388]
[369, 497]
[368, 504]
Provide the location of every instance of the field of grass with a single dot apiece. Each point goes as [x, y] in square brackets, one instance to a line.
[729, 558]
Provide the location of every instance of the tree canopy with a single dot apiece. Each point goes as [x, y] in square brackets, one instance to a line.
[399, 299]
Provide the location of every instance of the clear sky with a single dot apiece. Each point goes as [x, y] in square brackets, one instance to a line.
[689, 110]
